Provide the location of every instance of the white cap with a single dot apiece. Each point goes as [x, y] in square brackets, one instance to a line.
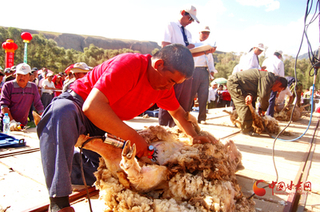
[205, 29]
[260, 46]
[23, 68]
[192, 11]
[81, 67]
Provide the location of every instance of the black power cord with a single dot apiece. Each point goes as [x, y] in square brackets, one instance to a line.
[82, 170]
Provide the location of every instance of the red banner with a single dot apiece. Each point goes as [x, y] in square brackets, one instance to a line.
[9, 59]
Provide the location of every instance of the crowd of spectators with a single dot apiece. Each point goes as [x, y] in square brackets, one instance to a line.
[15, 83]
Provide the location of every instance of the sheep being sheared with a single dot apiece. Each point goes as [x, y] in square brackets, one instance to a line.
[198, 177]
[260, 124]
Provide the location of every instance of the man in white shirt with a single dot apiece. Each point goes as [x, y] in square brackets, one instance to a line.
[274, 65]
[204, 66]
[250, 60]
[175, 32]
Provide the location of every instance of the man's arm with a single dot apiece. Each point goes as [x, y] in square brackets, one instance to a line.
[97, 109]
[180, 116]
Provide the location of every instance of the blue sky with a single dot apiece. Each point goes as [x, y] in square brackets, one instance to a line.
[236, 25]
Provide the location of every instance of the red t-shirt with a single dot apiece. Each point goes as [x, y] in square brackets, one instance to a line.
[123, 79]
[226, 95]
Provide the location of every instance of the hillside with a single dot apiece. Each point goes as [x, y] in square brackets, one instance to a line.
[79, 42]
[306, 55]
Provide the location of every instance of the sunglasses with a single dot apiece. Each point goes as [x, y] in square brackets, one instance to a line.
[190, 18]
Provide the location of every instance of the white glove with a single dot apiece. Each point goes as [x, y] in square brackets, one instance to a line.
[15, 126]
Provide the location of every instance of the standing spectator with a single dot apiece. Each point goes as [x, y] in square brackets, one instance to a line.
[204, 67]
[47, 90]
[175, 32]
[42, 76]
[17, 96]
[212, 96]
[250, 60]
[226, 98]
[34, 71]
[274, 65]
[219, 96]
[9, 74]
[57, 84]
[78, 71]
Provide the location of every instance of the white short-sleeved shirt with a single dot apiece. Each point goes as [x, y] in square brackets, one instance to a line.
[282, 96]
[212, 95]
[173, 33]
[201, 61]
[48, 84]
[249, 61]
[274, 65]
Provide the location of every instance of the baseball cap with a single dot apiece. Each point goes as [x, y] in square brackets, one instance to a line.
[50, 74]
[80, 67]
[23, 69]
[205, 29]
[192, 11]
[279, 51]
[260, 46]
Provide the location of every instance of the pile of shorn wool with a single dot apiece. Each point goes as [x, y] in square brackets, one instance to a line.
[201, 177]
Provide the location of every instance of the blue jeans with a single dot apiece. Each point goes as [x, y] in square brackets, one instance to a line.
[272, 102]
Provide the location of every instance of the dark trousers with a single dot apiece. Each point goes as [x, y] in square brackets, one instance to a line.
[61, 124]
[46, 98]
[200, 86]
[238, 99]
[182, 92]
[272, 102]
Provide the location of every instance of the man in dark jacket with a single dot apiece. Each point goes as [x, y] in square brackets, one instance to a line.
[246, 86]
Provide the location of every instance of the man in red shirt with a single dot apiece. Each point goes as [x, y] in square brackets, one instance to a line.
[118, 89]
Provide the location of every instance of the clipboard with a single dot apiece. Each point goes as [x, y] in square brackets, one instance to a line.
[201, 49]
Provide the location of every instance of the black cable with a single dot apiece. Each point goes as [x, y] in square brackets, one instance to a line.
[82, 170]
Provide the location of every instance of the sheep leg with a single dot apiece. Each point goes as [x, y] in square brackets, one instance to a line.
[142, 178]
[111, 154]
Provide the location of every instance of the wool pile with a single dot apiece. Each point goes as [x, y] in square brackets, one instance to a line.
[201, 177]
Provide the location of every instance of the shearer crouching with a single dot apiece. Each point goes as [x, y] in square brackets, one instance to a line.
[116, 90]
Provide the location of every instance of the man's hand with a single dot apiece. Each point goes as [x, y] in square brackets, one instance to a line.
[15, 126]
[200, 139]
[248, 99]
[142, 148]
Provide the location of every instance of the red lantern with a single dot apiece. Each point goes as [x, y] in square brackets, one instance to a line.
[9, 47]
[26, 37]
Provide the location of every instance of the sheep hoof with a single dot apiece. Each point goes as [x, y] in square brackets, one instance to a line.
[128, 151]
